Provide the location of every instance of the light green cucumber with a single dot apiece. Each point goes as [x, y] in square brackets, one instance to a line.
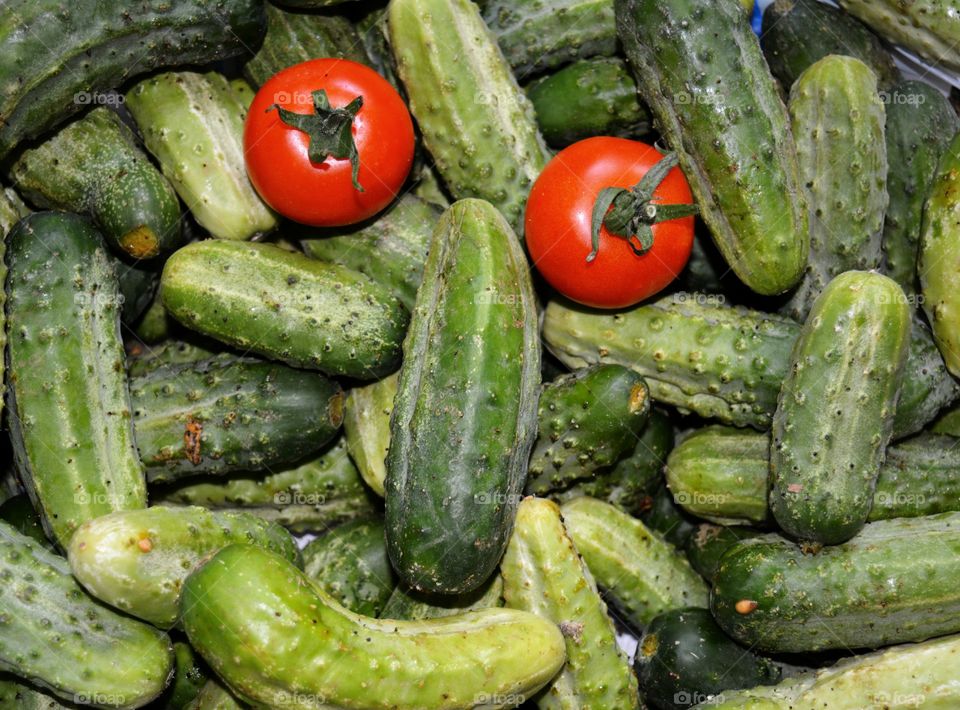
[408, 604]
[366, 428]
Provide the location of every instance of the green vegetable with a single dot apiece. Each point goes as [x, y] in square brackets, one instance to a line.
[366, 428]
[145, 359]
[190, 677]
[668, 519]
[708, 543]
[137, 282]
[213, 696]
[410, 605]
[15, 694]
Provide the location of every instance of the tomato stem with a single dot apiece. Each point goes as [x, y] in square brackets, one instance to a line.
[330, 130]
[631, 214]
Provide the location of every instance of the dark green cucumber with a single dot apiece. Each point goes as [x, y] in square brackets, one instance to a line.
[230, 414]
[587, 420]
[350, 563]
[366, 429]
[708, 543]
[138, 282]
[465, 415]
[717, 106]
[892, 583]
[927, 384]
[12, 210]
[19, 512]
[391, 250]
[70, 416]
[154, 324]
[592, 97]
[798, 33]
[101, 44]
[59, 638]
[684, 658]
[213, 696]
[144, 359]
[95, 166]
[286, 307]
[408, 604]
[668, 519]
[16, 694]
[948, 423]
[190, 676]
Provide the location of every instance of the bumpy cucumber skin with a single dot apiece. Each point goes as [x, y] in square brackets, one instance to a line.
[94, 165]
[410, 605]
[231, 414]
[476, 121]
[920, 124]
[592, 97]
[144, 359]
[213, 696]
[59, 638]
[350, 563]
[247, 604]
[137, 560]
[12, 210]
[190, 677]
[708, 543]
[99, 45]
[193, 124]
[838, 123]
[70, 415]
[286, 307]
[366, 428]
[543, 574]
[890, 584]
[391, 250]
[641, 574]
[720, 111]
[927, 384]
[465, 415]
[587, 420]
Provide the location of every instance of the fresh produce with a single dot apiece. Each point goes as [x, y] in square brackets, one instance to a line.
[408, 604]
[137, 281]
[719, 109]
[668, 519]
[366, 429]
[144, 359]
[193, 125]
[454, 481]
[69, 406]
[246, 604]
[615, 259]
[708, 543]
[330, 127]
[190, 677]
[16, 694]
[286, 307]
[213, 696]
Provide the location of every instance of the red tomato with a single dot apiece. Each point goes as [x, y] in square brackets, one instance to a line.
[322, 193]
[558, 218]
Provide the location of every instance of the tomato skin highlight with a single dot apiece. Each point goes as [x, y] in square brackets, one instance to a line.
[558, 216]
[322, 194]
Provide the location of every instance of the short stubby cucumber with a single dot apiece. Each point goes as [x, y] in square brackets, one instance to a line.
[286, 306]
[408, 604]
[193, 125]
[231, 414]
[587, 420]
[838, 123]
[465, 414]
[95, 166]
[59, 638]
[708, 543]
[70, 416]
[717, 106]
[477, 123]
[247, 604]
[543, 574]
[890, 584]
[920, 124]
[350, 563]
[137, 560]
[641, 574]
[366, 428]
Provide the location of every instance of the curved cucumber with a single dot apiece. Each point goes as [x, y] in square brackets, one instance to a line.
[410, 605]
[246, 604]
[708, 543]
[464, 418]
[718, 107]
[70, 415]
[543, 573]
[366, 428]
[286, 307]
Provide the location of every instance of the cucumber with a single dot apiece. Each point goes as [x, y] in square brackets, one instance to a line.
[95, 166]
[454, 481]
[477, 123]
[350, 564]
[98, 46]
[190, 676]
[154, 325]
[587, 420]
[592, 97]
[247, 604]
[286, 307]
[145, 359]
[717, 106]
[366, 428]
[213, 696]
[543, 574]
[137, 560]
[536, 35]
[668, 519]
[373, 33]
[15, 694]
[948, 423]
[408, 604]
[69, 406]
[193, 125]
[19, 512]
[138, 282]
[796, 34]
[838, 121]
[641, 574]
[927, 384]
[12, 210]
[684, 657]
[229, 414]
[60, 639]
[708, 543]
[889, 584]
[391, 250]
[920, 124]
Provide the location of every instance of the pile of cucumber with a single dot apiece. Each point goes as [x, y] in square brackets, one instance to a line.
[755, 474]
